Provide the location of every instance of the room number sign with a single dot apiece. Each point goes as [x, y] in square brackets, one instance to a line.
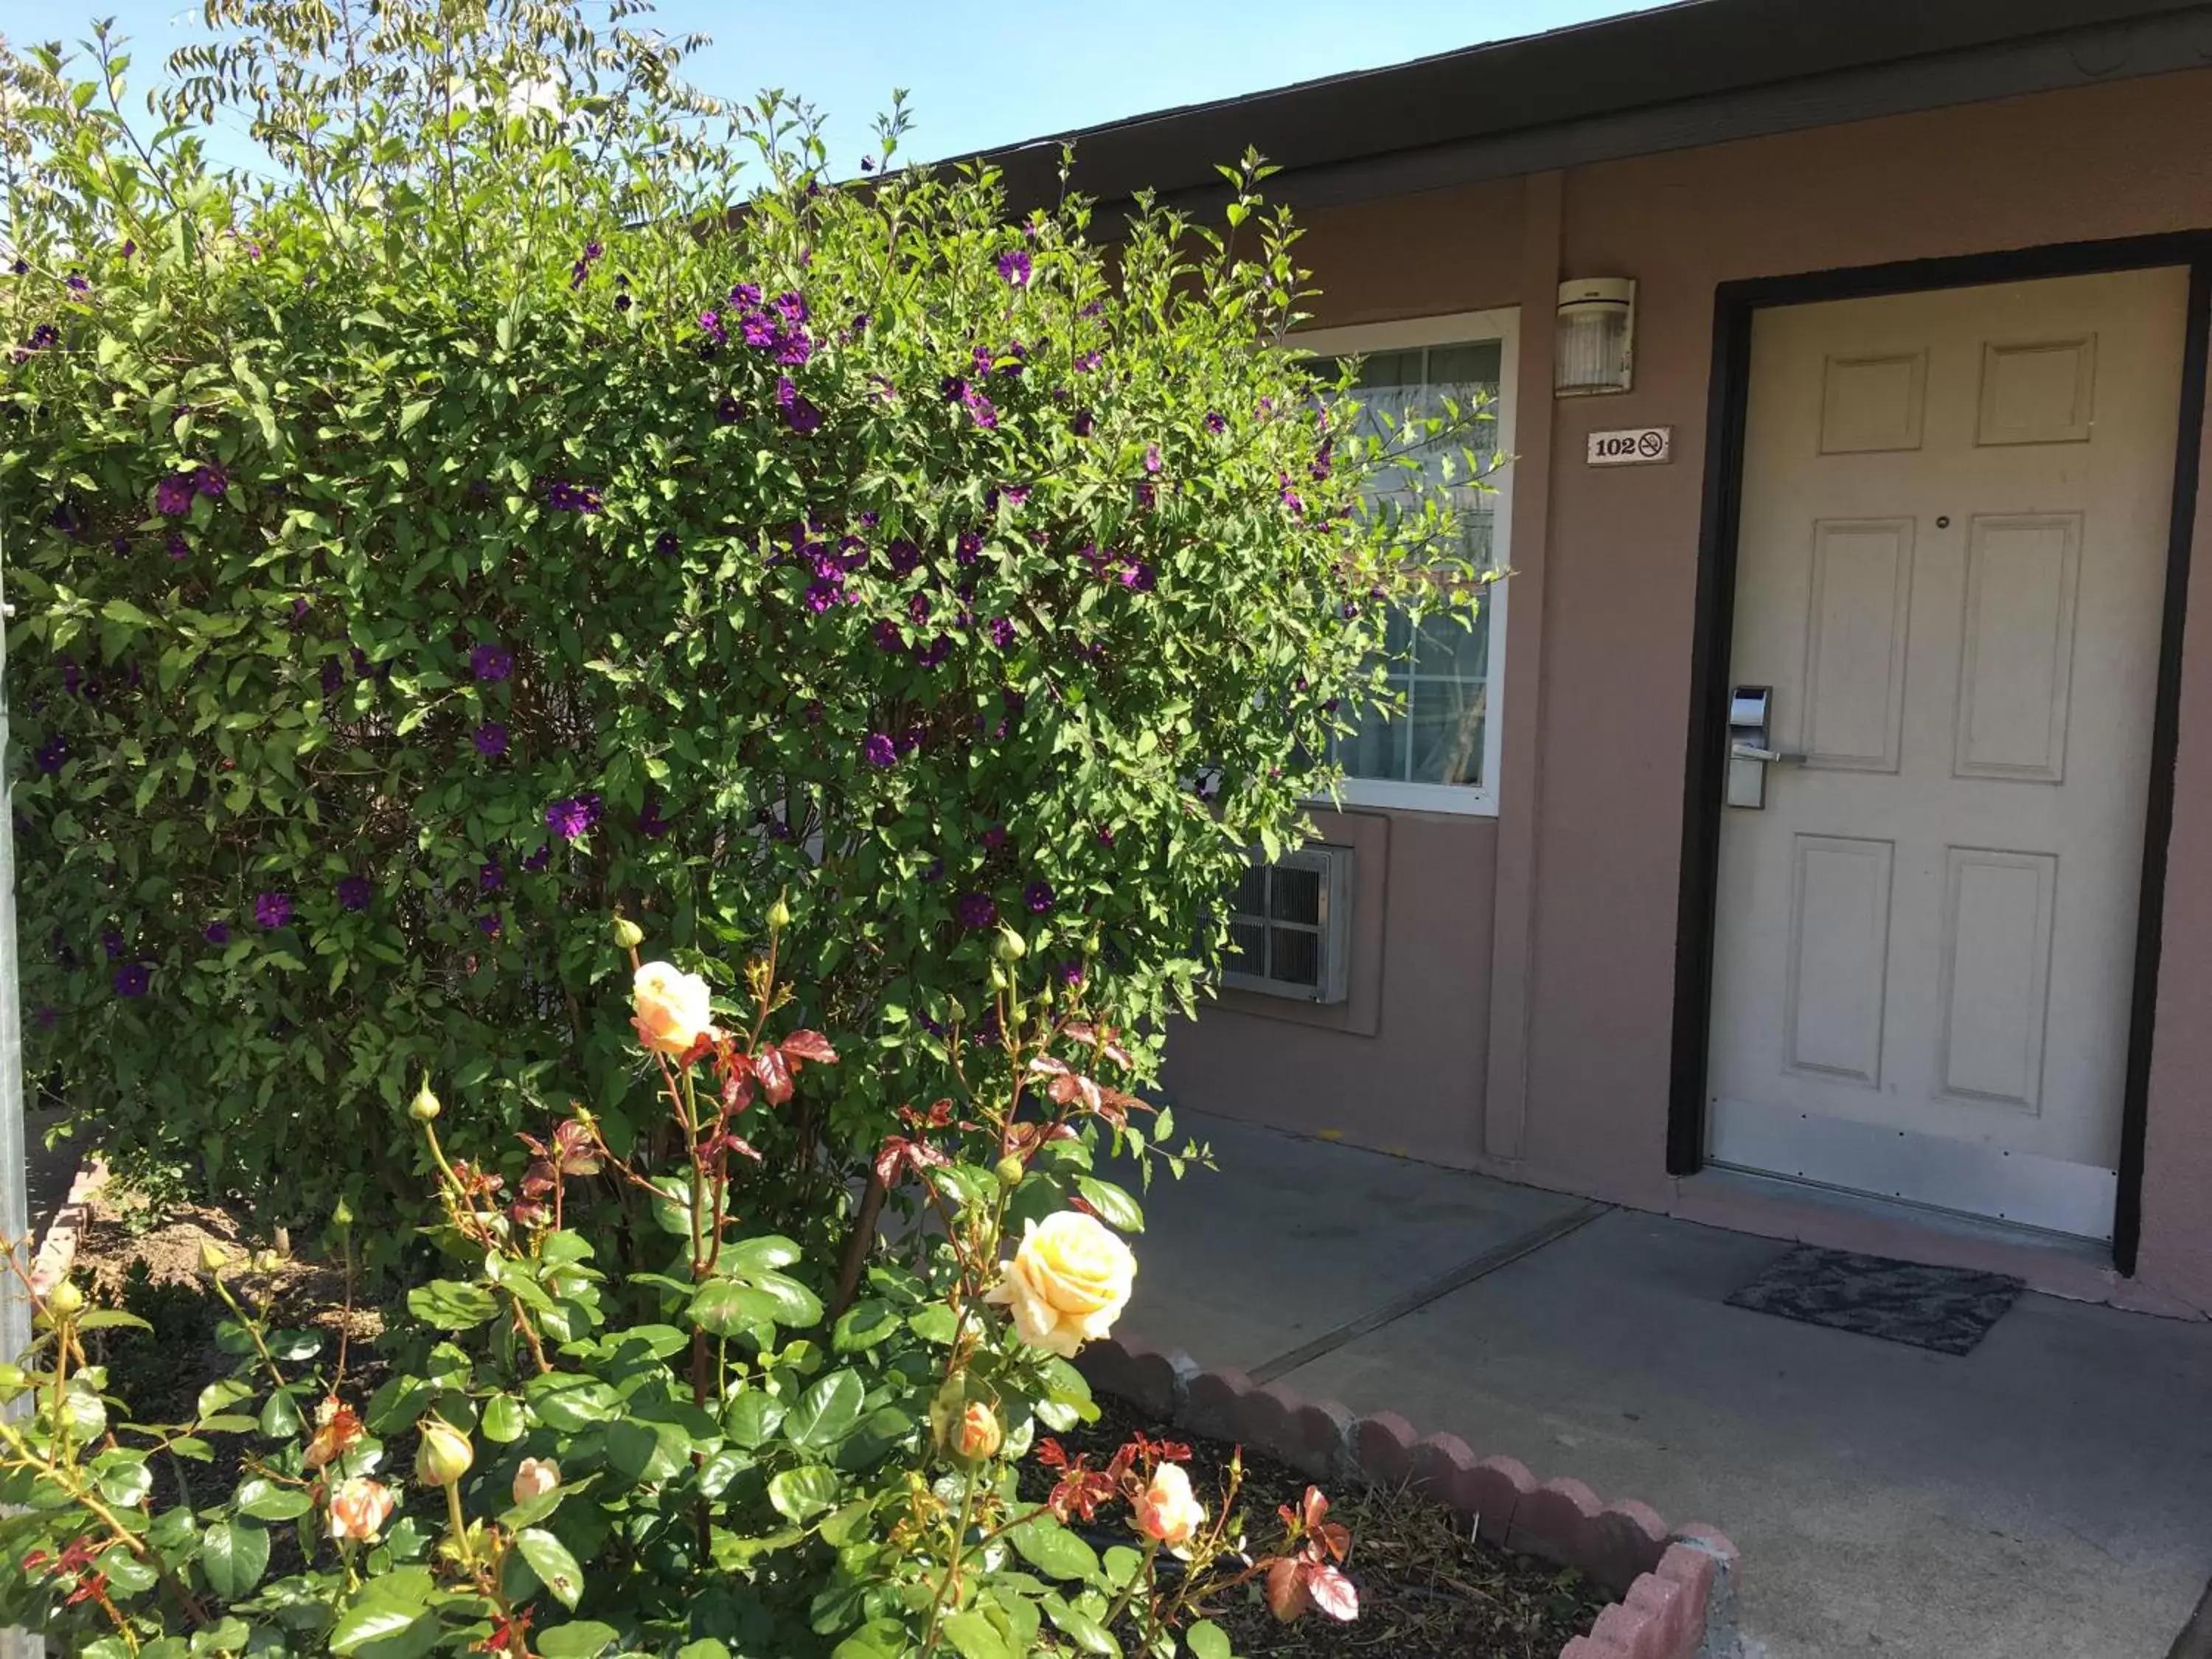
[1633, 447]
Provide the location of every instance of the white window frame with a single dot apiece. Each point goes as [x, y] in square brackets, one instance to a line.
[1501, 325]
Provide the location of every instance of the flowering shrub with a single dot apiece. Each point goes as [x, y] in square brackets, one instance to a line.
[468, 523]
[733, 1451]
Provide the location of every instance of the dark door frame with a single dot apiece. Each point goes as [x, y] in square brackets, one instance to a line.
[1735, 304]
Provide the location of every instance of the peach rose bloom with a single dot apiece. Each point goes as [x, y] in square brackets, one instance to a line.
[535, 1478]
[360, 1507]
[1067, 1284]
[1167, 1509]
[672, 1008]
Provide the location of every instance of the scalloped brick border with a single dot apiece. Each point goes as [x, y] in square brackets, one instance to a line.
[1677, 1587]
[57, 1249]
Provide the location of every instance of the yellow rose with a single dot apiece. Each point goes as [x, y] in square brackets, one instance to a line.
[1167, 1509]
[359, 1509]
[672, 1008]
[1067, 1282]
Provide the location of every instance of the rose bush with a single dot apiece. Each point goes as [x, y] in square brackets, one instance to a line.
[737, 1450]
[534, 488]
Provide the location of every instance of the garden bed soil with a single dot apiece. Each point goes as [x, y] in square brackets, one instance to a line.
[1428, 1589]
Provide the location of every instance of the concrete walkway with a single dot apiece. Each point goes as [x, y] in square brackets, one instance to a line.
[2049, 1494]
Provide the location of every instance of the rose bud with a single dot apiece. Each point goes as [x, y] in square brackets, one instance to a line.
[444, 1455]
[536, 1476]
[1167, 1509]
[424, 1107]
[65, 1301]
[628, 934]
[672, 1008]
[360, 1507]
[979, 1435]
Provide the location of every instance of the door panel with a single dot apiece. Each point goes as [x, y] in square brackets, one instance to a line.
[1950, 571]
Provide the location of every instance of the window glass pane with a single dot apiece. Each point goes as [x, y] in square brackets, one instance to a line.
[1440, 740]
[1297, 896]
[1296, 957]
[1248, 948]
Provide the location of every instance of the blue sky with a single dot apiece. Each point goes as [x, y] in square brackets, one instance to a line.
[985, 72]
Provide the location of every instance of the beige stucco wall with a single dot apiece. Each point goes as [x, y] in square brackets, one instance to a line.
[1570, 1088]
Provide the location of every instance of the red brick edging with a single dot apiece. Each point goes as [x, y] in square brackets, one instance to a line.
[1677, 1587]
[57, 1249]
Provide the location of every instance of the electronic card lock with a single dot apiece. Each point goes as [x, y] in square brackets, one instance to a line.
[1751, 745]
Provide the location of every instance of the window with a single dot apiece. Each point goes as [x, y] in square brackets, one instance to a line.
[1440, 753]
[1290, 932]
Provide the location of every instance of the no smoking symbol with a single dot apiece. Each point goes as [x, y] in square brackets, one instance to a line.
[1650, 444]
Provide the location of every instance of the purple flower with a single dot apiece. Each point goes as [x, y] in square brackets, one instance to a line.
[982, 410]
[538, 859]
[822, 593]
[1083, 423]
[793, 346]
[1071, 973]
[877, 750]
[792, 307]
[712, 325]
[976, 910]
[650, 823]
[173, 495]
[799, 415]
[489, 876]
[272, 910]
[487, 924]
[1015, 494]
[1014, 267]
[814, 711]
[122, 546]
[20, 267]
[1138, 577]
[490, 740]
[132, 979]
[622, 302]
[745, 294]
[934, 871]
[332, 676]
[1320, 466]
[935, 651]
[757, 329]
[917, 609]
[572, 816]
[1214, 423]
[565, 497]
[77, 282]
[1002, 631]
[1105, 837]
[728, 410]
[177, 546]
[667, 545]
[110, 944]
[51, 753]
[1038, 897]
[216, 932]
[355, 892]
[1152, 458]
[212, 481]
[490, 662]
[904, 558]
[994, 837]
[1088, 362]
[45, 1015]
[909, 740]
[969, 548]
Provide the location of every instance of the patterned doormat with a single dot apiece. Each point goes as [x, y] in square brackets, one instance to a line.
[1949, 1310]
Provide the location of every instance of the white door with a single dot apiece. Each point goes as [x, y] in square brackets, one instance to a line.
[1950, 571]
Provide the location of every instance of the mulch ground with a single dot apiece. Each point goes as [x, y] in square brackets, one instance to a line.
[1428, 1589]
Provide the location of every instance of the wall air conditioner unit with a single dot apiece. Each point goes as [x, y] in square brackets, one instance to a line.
[1290, 926]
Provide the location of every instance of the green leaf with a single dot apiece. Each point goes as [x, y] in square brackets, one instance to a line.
[1207, 1640]
[550, 1559]
[748, 1257]
[122, 1477]
[705, 1648]
[975, 1637]
[234, 1554]
[1115, 1208]
[752, 1417]
[1053, 1550]
[863, 1325]
[218, 1398]
[569, 1402]
[451, 1305]
[794, 1303]
[934, 1323]
[647, 1453]
[1081, 1628]
[265, 1500]
[501, 1421]
[100, 1319]
[280, 1416]
[410, 413]
[826, 1413]
[799, 1493]
[723, 1307]
[580, 1638]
